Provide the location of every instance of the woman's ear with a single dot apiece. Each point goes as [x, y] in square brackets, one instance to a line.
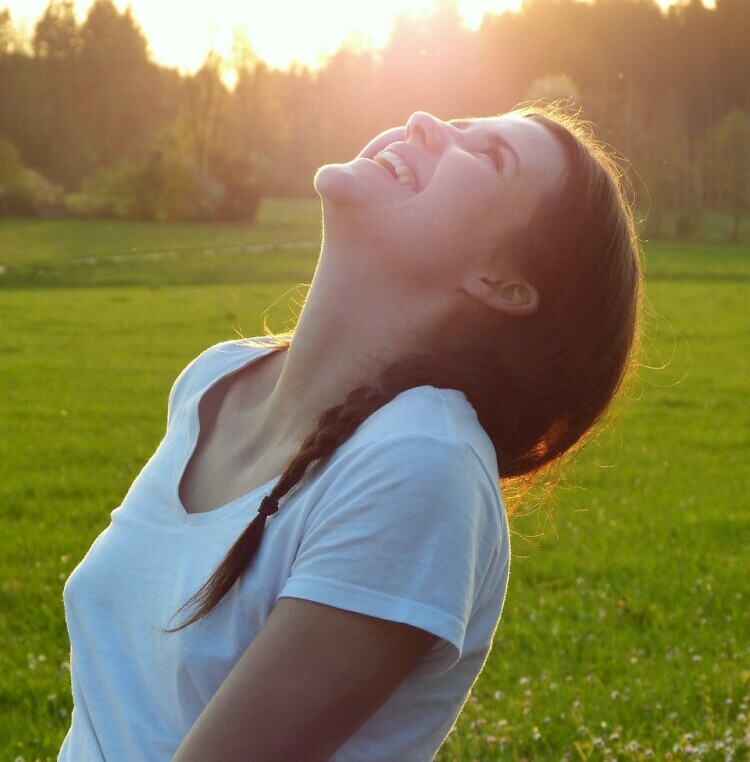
[511, 295]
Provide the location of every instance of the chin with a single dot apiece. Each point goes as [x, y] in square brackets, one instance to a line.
[338, 185]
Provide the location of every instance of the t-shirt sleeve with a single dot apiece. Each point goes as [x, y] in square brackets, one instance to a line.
[186, 383]
[197, 374]
[177, 394]
[406, 531]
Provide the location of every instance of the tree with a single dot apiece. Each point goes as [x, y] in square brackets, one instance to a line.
[54, 132]
[430, 63]
[119, 93]
[292, 163]
[732, 150]
[56, 33]
[227, 186]
[732, 40]
[204, 111]
[348, 87]
[660, 161]
[8, 36]
[258, 129]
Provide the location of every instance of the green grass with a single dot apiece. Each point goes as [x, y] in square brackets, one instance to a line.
[104, 253]
[29, 241]
[626, 624]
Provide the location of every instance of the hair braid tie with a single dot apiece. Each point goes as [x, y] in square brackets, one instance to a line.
[268, 506]
[335, 426]
[234, 563]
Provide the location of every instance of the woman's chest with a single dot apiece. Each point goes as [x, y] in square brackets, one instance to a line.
[229, 456]
[129, 590]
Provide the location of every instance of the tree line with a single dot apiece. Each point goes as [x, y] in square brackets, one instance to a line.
[88, 115]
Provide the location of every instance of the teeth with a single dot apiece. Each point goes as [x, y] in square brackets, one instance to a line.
[398, 166]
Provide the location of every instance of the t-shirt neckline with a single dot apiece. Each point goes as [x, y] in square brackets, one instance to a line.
[192, 435]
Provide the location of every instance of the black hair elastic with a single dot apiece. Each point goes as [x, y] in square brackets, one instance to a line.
[268, 506]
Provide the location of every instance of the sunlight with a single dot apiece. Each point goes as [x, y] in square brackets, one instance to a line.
[181, 32]
[286, 32]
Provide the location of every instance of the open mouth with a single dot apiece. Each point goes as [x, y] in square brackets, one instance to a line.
[400, 170]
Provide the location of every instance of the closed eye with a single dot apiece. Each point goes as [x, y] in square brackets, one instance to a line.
[499, 142]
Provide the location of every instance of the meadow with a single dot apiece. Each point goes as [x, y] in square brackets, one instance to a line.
[625, 630]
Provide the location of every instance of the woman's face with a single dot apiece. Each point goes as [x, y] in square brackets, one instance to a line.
[434, 186]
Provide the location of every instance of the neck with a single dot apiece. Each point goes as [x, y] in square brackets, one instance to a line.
[344, 337]
[371, 303]
[352, 326]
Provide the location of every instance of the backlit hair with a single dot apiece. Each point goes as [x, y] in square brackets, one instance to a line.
[539, 383]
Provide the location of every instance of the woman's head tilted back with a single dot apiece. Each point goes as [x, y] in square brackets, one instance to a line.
[524, 221]
[506, 249]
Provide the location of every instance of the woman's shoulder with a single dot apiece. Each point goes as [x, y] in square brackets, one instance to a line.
[227, 352]
[214, 362]
[432, 419]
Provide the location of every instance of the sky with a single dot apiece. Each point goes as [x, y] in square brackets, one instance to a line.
[279, 31]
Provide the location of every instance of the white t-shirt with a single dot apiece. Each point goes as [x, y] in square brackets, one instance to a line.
[404, 523]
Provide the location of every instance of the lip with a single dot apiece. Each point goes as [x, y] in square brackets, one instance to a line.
[381, 141]
[406, 153]
[383, 172]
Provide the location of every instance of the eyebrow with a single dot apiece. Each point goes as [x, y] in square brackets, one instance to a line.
[462, 124]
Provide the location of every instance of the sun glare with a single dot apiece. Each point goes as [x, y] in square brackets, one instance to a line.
[282, 32]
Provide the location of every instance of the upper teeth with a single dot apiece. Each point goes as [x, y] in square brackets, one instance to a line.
[402, 169]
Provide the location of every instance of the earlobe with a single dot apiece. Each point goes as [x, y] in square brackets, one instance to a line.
[515, 296]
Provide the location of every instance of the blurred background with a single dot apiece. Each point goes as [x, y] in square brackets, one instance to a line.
[93, 123]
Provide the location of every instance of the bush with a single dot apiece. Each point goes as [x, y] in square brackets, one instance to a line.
[170, 186]
[24, 191]
[241, 194]
[12, 169]
[106, 193]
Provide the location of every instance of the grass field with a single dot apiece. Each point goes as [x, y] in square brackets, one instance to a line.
[625, 632]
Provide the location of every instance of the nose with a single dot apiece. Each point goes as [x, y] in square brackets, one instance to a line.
[426, 129]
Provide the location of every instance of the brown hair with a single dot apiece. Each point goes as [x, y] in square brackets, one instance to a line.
[538, 383]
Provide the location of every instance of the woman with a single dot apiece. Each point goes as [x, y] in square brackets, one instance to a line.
[472, 315]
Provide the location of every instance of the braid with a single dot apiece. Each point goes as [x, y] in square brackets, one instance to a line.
[538, 385]
[334, 427]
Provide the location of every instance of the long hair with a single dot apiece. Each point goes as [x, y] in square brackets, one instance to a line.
[539, 383]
